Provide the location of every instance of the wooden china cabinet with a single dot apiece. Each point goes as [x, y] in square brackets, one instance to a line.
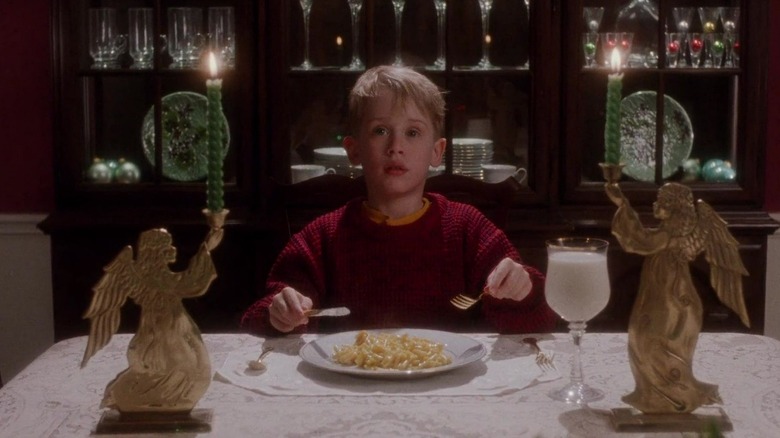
[536, 106]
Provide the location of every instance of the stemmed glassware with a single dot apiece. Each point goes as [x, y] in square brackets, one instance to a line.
[484, 7]
[398, 8]
[709, 17]
[730, 17]
[528, 22]
[577, 289]
[682, 21]
[695, 46]
[441, 9]
[593, 16]
[354, 9]
[590, 42]
[306, 6]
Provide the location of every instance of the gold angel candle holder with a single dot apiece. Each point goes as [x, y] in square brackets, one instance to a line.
[666, 319]
[168, 366]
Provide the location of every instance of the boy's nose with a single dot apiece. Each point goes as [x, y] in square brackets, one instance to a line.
[395, 145]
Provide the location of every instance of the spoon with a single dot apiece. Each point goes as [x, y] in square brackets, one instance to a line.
[258, 364]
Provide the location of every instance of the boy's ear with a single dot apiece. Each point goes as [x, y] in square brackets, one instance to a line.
[438, 151]
[351, 146]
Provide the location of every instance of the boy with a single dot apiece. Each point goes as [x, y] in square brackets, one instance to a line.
[398, 256]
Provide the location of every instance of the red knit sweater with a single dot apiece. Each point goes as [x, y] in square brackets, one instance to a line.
[402, 276]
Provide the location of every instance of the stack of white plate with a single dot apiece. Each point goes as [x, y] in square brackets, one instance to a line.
[469, 154]
[336, 158]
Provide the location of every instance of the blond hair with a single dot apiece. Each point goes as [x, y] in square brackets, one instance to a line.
[405, 85]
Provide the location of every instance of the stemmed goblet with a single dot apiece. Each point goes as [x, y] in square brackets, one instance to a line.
[528, 22]
[577, 289]
[682, 21]
[695, 46]
[709, 17]
[354, 10]
[593, 16]
[441, 9]
[484, 8]
[730, 17]
[398, 8]
[590, 42]
[306, 6]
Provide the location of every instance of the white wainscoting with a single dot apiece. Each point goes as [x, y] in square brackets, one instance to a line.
[772, 312]
[26, 313]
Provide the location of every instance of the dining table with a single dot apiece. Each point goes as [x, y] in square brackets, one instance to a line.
[499, 391]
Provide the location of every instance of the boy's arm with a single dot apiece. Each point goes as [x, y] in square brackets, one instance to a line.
[299, 266]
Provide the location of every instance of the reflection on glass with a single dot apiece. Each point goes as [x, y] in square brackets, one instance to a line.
[695, 46]
[354, 9]
[674, 48]
[306, 6]
[398, 8]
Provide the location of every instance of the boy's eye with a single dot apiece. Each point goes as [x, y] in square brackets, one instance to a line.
[413, 133]
[379, 130]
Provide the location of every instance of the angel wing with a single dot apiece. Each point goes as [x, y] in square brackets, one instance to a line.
[722, 254]
[110, 293]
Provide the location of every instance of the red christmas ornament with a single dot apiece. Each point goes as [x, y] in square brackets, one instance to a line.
[736, 47]
[697, 44]
[674, 47]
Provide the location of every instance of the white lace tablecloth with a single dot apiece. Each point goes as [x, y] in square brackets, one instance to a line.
[53, 397]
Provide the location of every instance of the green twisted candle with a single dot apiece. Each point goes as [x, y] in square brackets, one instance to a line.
[214, 116]
[612, 127]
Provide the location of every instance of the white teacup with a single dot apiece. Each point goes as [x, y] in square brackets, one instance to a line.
[302, 172]
[496, 173]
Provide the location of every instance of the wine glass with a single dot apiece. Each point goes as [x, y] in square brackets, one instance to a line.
[695, 46]
[398, 7]
[354, 9]
[730, 17]
[682, 21]
[590, 42]
[306, 6]
[674, 48]
[709, 17]
[577, 289]
[593, 16]
[441, 9]
[528, 22]
[484, 8]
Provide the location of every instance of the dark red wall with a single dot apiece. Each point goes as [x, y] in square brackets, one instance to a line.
[26, 158]
[26, 168]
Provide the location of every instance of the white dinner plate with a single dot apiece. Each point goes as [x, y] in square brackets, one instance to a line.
[462, 349]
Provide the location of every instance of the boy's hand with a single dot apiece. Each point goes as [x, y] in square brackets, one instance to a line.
[286, 309]
[509, 280]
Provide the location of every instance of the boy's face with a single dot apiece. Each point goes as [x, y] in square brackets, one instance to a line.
[395, 145]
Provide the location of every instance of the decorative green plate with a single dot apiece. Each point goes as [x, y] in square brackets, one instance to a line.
[637, 135]
[184, 136]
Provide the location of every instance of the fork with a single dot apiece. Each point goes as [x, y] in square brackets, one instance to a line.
[543, 360]
[464, 302]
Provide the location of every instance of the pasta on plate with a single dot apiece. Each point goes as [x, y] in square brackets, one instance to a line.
[391, 351]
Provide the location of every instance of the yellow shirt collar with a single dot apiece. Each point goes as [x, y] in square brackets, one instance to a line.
[378, 217]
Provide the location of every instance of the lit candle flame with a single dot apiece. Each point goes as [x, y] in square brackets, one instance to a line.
[339, 41]
[615, 61]
[213, 65]
[487, 39]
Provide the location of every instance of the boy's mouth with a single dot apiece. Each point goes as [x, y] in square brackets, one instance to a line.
[395, 169]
